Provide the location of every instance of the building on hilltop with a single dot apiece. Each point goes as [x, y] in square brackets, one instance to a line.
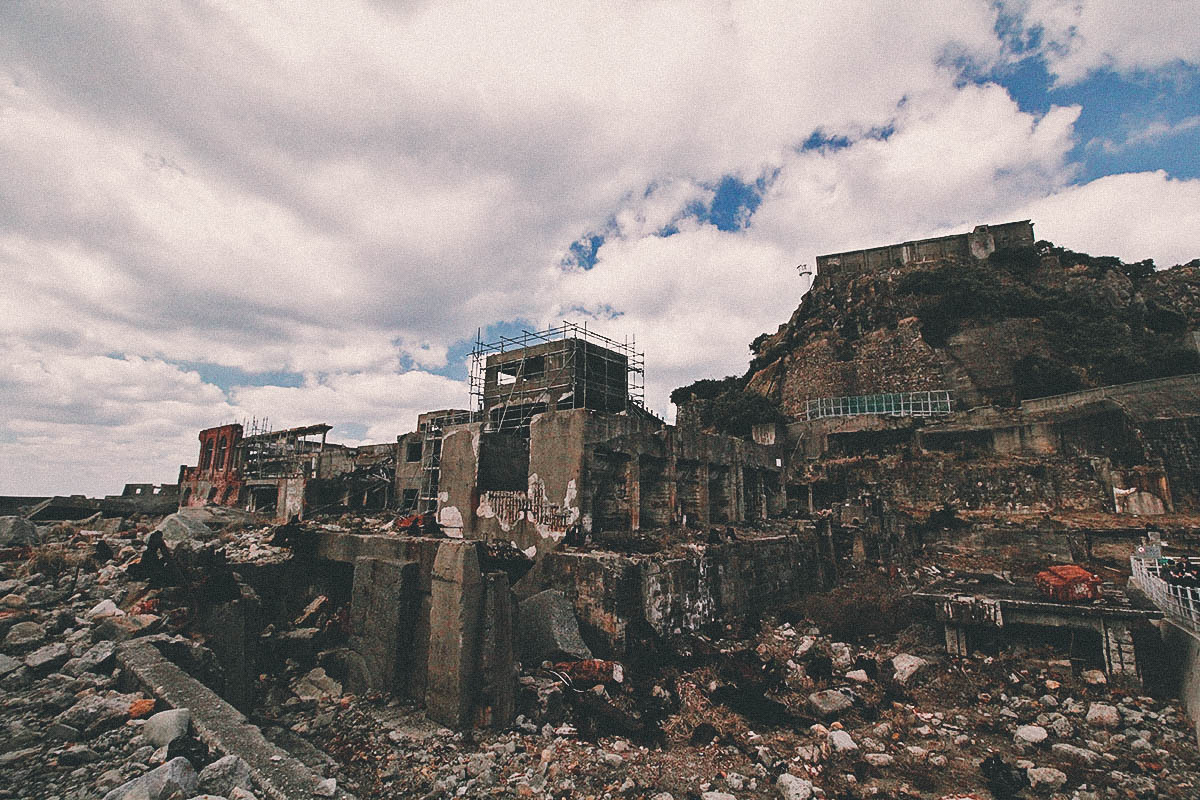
[978, 244]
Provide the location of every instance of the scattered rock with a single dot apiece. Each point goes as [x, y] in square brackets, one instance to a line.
[829, 703]
[1102, 715]
[549, 629]
[792, 788]
[1094, 677]
[1078, 755]
[48, 658]
[1045, 779]
[1030, 735]
[224, 775]
[841, 741]
[167, 726]
[907, 666]
[176, 778]
[316, 685]
[24, 634]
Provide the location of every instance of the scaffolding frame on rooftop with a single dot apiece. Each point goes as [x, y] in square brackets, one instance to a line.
[571, 373]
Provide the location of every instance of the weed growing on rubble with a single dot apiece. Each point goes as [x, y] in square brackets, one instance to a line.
[870, 605]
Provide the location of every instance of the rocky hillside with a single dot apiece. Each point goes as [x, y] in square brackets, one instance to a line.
[1022, 323]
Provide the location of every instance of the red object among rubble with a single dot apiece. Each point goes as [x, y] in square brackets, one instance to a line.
[1068, 583]
[591, 671]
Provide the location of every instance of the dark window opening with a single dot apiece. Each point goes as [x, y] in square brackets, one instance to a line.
[408, 500]
[412, 452]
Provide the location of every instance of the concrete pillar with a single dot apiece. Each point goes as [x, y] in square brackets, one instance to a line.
[382, 612]
[633, 491]
[456, 598]
[1119, 656]
[498, 672]
[956, 640]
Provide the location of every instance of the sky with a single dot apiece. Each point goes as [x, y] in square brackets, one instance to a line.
[212, 212]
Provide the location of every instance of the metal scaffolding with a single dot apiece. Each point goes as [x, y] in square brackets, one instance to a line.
[585, 373]
[431, 456]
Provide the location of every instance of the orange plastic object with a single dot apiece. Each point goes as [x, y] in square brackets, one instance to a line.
[1068, 583]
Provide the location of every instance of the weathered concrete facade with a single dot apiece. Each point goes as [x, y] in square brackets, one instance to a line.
[979, 244]
[601, 472]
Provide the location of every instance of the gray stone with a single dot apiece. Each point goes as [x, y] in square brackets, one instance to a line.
[78, 754]
[1030, 735]
[184, 526]
[167, 726]
[906, 666]
[93, 714]
[879, 759]
[98, 658]
[829, 703]
[7, 665]
[176, 778]
[1078, 755]
[17, 532]
[1102, 715]
[24, 634]
[224, 775]
[548, 629]
[1045, 779]
[48, 658]
[316, 685]
[716, 796]
[841, 741]
[792, 788]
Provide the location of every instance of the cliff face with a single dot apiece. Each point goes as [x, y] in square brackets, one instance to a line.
[1019, 324]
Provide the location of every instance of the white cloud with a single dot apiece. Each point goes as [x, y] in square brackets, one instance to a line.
[1079, 38]
[341, 193]
[1132, 216]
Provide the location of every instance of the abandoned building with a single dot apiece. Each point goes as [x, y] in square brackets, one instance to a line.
[978, 244]
[558, 438]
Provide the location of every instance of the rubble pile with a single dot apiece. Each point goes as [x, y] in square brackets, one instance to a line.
[787, 707]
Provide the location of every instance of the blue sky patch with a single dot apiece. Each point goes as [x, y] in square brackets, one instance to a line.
[228, 377]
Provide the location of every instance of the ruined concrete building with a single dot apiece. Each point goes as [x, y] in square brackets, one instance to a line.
[978, 244]
[559, 438]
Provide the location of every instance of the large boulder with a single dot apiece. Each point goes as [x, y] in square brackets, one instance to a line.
[17, 532]
[186, 525]
[549, 631]
[167, 726]
[176, 778]
[224, 775]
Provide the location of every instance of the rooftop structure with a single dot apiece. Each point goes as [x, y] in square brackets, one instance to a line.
[566, 366]
[979, 243]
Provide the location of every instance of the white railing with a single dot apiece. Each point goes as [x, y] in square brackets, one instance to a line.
[1180, 603]
[895, 404]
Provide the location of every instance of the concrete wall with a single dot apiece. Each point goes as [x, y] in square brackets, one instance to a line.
[619, 598]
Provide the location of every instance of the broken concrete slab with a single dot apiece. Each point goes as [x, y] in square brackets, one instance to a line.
[217, 724]
[549, 631]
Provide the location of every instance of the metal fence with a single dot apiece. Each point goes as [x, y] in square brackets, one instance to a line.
[896, 404]
[1180, 603]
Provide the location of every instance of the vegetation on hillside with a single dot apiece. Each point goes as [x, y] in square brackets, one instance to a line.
[1097, 320]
